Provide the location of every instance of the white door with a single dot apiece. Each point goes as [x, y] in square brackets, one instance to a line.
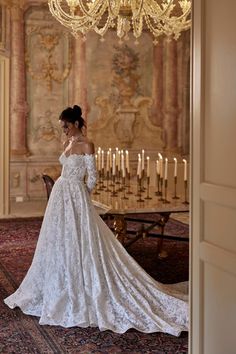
[213, 258]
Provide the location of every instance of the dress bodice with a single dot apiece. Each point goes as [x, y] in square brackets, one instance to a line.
[76, 167]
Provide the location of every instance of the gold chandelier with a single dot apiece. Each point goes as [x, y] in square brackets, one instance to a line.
[160, 17]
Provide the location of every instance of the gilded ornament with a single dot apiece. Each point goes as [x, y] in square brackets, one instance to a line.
[49, 68]
[163, 17]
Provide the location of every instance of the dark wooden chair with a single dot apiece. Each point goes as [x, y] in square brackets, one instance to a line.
[48, 182]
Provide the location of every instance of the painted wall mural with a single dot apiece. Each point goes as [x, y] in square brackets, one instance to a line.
[121, 113]
[48, 58]
[134, 96]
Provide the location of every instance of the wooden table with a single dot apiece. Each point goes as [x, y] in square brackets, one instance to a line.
[122, 203]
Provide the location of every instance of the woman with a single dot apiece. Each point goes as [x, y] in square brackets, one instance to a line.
[80, 274]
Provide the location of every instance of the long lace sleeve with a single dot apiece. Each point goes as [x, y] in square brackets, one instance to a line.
[91, 171]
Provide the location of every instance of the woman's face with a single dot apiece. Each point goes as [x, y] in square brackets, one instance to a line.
[68, 128]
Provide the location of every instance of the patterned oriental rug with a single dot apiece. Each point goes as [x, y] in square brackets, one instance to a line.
[22, 334]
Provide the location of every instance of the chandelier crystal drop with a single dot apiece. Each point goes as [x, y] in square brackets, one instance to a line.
[160, 17]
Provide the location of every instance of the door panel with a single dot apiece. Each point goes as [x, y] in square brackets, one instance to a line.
[213, 193]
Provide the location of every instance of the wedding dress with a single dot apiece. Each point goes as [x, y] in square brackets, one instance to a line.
[82, 276]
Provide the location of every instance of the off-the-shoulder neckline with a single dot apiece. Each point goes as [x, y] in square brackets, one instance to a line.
[82, 155]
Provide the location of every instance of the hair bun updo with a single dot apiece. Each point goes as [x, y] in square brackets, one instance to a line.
[77, 110]
[73, 115]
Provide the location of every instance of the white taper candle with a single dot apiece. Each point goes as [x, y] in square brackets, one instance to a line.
[175, 167]
[185, 170]
[166, 169]
[148, 166]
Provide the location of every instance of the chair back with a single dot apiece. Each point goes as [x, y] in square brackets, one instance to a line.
[48, 182]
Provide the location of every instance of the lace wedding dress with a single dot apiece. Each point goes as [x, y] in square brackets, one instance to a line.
[82, 276]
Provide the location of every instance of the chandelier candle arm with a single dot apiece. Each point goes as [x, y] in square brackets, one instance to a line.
[82, 16]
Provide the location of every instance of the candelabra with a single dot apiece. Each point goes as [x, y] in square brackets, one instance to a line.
[114, 192]
[100, 180]
[137, 195]
[103, 179]
[139, 188]
[175, 188]
[165, 201]
[148, 188]
[110, 174]
[158, 192]
[185, 192]
[129, 191]
[161, 189]
[107, 187]
[117, 175]
[124, 190]
[142, 180]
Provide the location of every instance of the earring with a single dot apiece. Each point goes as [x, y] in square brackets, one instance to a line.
[76, 124]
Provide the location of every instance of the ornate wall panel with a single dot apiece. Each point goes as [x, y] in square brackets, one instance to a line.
[18, 179]
[138, 95]
[120, 93]
[48, 64]
[132, 96]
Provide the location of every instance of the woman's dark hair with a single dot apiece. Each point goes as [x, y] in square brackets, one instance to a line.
[72, 115]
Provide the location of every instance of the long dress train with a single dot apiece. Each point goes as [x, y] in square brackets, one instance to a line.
[82, 276]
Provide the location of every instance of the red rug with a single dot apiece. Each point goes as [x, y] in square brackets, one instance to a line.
[22, 334]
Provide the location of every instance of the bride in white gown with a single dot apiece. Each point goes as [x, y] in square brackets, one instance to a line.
[80, 274]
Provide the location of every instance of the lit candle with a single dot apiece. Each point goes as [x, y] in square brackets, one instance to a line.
[99, 159]
[157, 167]
[96, 160]
[142, 159]
[102, 160]
[118, 160]
[166, 169]
[161, 165]
[110, 157]
[117, 156]
[123, 165]
[139, 169]
[175, 167]
[113, 164]
[108, 161]
[185, 169]
[127, 160]
[148, 166]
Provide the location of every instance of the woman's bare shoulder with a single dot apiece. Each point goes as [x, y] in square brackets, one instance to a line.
[88, 147]
[65, 143]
